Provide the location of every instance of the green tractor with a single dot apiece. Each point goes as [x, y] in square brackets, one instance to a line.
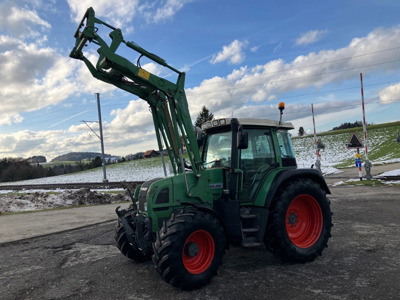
[244, 188]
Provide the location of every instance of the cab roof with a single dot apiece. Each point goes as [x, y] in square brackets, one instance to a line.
[246, 121]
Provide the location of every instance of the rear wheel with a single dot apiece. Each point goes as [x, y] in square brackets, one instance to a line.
[189, 248]
[129, 250]
[299, 225]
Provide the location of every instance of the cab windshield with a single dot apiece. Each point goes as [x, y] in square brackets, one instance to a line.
[217, 151]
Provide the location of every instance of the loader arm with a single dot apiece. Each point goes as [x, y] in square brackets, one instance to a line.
[167, 100]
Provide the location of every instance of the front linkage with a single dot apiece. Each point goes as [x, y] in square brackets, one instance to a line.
[133, 234]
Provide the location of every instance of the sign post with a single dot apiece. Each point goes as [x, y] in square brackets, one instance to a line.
[355, 143]
[359, 163]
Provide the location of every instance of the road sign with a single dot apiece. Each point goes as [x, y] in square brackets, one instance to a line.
[358, 162]
[354, 142]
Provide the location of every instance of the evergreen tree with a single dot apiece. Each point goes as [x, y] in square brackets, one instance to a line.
[203, 116]
[97, 162]
[301, 131]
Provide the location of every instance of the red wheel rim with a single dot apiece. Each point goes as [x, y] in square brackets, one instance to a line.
[198, 252]
[304, 221]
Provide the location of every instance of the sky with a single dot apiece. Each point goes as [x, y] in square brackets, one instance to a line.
[241, 59]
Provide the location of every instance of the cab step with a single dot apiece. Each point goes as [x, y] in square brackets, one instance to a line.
[250, 225]
[252, 245]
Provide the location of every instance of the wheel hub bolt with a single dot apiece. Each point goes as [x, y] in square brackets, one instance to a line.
[293, 219]
[191, 249]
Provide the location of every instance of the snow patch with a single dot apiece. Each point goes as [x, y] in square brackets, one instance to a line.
[41, 200]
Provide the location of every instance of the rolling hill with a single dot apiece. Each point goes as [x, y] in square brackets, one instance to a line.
[78, 156]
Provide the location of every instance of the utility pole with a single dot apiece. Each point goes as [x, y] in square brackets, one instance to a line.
[100, 137]
[367, 164]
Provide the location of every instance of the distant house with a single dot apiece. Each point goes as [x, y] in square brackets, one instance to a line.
[138, 155]
[113, 159]
[151, 153]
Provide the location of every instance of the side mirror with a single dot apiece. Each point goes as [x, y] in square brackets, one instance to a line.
[243, 139]
[199, 136]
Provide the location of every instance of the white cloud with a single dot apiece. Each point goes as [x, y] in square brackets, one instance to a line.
[254, 49]
[135, 117]
[390, 93]
[124, 12]
[20, 22]
[233, 53]
[117, 14]
[10, 118]
[310, 37]
[130, 131]
[153, 68]
[85, 82]
[248, 87]
[35, 76]
[28, 143]
[132, 125]
[166, 11]
[32, 77]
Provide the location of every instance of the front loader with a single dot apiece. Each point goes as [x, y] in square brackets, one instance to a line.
[244, 188]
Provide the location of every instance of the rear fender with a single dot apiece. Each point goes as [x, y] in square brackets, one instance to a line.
[286, 176]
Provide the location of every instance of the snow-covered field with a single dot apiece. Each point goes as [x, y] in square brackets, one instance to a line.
[130, 171]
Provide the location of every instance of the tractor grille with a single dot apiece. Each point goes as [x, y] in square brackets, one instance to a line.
[143, 193]
[163, 196]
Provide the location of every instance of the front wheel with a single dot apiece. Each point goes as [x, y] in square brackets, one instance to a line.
[300, 221]
[131, 251]
[189, 248]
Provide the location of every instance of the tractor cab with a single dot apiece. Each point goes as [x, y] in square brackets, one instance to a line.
[267, 147]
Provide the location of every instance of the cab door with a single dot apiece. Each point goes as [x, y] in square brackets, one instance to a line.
[256, 161]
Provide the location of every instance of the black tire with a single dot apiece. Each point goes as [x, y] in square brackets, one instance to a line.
[300, 222]
[131, 251]
[189, 248]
